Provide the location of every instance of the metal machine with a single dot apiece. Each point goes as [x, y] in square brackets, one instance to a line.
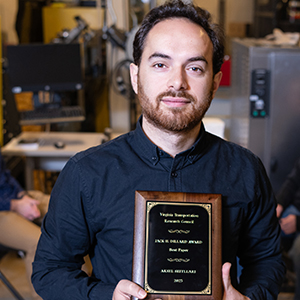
[266, 104]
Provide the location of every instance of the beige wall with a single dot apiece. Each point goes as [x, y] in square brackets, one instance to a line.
[240, 11]
[8, 13]
[212, 6]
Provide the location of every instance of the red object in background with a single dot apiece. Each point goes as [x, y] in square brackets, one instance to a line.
[226, 70]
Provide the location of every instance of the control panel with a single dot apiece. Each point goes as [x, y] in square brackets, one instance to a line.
[260, 93]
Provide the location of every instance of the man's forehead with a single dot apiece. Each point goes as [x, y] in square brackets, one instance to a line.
[179, 34]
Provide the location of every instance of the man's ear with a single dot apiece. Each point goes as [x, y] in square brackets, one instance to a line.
[217, 80]
[134, 76]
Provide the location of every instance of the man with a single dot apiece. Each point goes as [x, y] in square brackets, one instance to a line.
[17, 210]
[176, 72]
[288, 210]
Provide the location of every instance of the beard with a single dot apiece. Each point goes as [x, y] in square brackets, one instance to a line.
[174, 119]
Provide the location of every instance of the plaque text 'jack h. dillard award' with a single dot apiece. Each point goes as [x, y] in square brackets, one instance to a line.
[177, 245]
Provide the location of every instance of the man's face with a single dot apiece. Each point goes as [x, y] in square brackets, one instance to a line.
[174, 82]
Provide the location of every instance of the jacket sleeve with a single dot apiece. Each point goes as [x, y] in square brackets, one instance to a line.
[9, 186]
[260, 245]
[66, 238]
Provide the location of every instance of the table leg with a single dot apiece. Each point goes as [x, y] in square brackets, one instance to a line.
[29, 167]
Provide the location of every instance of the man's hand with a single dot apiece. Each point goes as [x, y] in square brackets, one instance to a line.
[26, 207]
[125, 289]
[230, 293]
[288, 224]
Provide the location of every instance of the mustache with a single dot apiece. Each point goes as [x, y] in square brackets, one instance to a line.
[179, 94]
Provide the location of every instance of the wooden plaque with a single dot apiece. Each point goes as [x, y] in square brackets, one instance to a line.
[177, 251]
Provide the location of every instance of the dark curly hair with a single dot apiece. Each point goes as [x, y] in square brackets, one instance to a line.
[178, 9]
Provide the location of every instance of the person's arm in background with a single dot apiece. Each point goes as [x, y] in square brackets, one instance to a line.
[290, 191]
[13, 197]
[9, 187]
[289, 194]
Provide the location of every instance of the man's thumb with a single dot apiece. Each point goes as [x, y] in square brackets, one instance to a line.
[226, 275]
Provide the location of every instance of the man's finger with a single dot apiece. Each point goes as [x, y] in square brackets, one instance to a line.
[125, 289]
[226, 275]
[230, 293]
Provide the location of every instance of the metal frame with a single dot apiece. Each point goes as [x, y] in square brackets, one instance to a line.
[10, 287]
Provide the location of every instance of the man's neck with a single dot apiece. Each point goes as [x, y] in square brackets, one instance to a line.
[171, 142]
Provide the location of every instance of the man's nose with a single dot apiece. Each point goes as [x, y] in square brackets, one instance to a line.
[177, 80]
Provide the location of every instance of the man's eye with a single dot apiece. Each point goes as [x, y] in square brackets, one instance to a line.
[159, 65]
[196, 69]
